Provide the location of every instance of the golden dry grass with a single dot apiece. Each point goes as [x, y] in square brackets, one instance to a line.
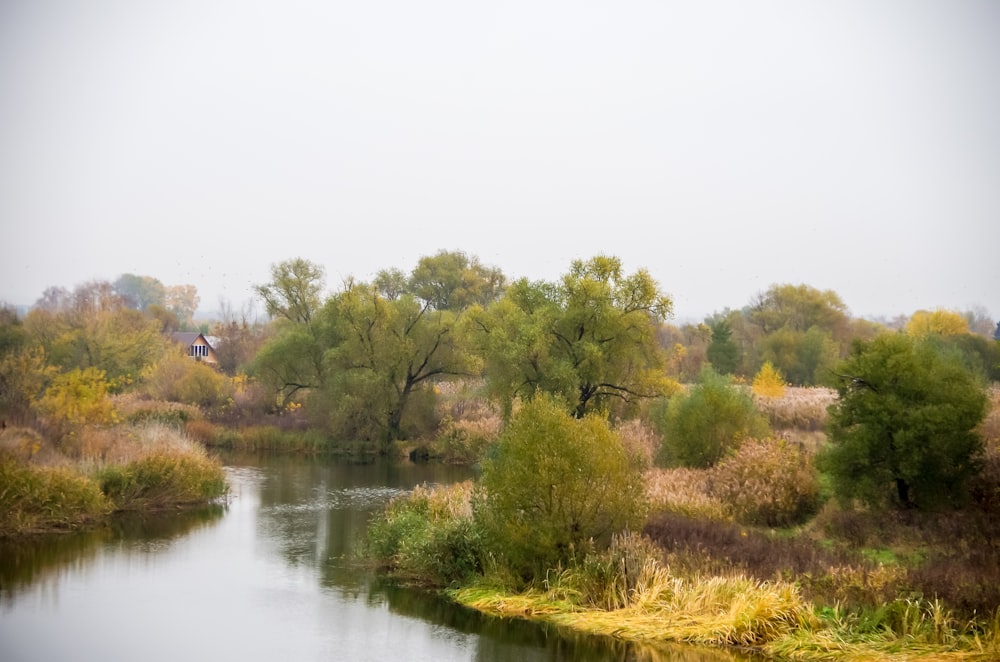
[799, 408]
[685, 492]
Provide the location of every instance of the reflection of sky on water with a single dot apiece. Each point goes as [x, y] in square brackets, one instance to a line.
[271, 575]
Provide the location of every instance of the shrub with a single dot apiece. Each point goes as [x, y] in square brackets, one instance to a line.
[428, 535]
[700, 427]
[554, 482]
[180, 379]
[767, 482]
[40, 498]
[75, 399]
[769, 382]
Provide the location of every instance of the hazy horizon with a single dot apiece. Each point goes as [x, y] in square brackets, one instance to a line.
[724, 146]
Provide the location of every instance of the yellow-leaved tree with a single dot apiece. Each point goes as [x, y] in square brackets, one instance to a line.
[77, 398]
[925, 323]
[769, 382]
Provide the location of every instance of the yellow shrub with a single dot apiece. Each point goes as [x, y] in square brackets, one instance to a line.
[769, 382]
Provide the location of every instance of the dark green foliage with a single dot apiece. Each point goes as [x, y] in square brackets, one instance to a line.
[555, 485]
[701, 426]
[723, 353]
[902, 430]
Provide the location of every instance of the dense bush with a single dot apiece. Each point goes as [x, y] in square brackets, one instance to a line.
[701, 426]
[180, 378]
[906, 419]
[767, 482]
[428, 535]
[552, 484]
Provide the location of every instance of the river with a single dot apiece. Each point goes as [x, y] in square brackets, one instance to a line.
[269, 575]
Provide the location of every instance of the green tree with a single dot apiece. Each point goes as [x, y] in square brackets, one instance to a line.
[712, 419]
[93, 328]
[451, 280]
[294, 291]
[799, 307]
[140, 292]
[722, 352]
[553, 484]
[804, 357]
[905, 419]
[382, 353]
[24, 372]
[292, 360]
[589, 340]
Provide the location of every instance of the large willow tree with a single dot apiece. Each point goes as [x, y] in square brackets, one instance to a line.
[589, 339]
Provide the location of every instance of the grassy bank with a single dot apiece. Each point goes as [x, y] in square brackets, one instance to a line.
[98, 472]
[690, 581]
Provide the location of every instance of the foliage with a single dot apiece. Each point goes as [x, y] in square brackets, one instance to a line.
[451, 280]
[386, 352]
[554, 483]
[767, 482]
[293, 293]
[179, 378]
[290, 364]
[905, 417]
[701, 426]
[43, 498]
[428, 535]
[769, 382]
[77, 398]
[723, 353]
[588, 340]
[24, 374]
[803, 357]
[925, 323]
[140, 292]
[92, 328]
[799, 308]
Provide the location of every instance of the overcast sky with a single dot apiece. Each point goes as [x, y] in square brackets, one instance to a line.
[724, 146]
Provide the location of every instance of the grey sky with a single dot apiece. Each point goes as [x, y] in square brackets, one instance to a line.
[725, 146]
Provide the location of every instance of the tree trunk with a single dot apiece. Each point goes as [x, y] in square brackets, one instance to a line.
[903, 490]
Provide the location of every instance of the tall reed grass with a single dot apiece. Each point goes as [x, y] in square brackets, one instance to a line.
[800, 408]
[34, 499]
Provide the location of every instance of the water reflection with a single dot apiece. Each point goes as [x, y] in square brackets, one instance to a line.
[46, 558]
[270, 575]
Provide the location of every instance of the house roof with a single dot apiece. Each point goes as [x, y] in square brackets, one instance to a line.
[188, 337]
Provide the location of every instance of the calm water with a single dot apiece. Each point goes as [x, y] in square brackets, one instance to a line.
[267, 576]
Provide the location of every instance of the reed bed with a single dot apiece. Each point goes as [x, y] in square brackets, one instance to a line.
[685, 492]
[718, 611]
[800, 408]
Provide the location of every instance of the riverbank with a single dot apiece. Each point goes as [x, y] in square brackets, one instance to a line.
[130, 468]
[657, 588]
[767, 619]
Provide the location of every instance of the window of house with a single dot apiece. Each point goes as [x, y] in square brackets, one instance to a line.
[199, 350]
